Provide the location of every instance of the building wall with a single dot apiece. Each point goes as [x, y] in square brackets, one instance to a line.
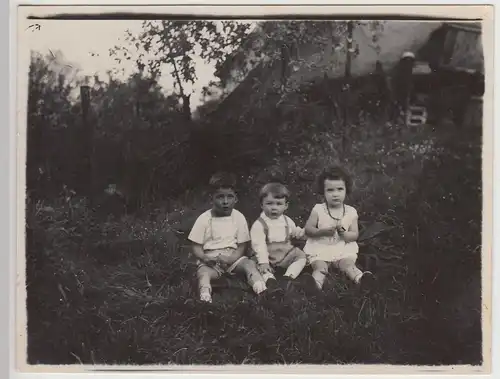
[394, 40]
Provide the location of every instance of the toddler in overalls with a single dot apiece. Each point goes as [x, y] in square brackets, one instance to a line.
[271, 235]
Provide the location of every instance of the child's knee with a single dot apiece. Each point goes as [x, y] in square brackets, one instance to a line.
[299, 254]
[245, 265]
[346, 263]
[204, 273]
[319, 266]
[251, 266]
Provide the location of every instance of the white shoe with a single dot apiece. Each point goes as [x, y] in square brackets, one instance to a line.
[259, 287]
[206, 297]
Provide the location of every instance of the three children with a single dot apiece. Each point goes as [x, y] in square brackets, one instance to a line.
[220, 236]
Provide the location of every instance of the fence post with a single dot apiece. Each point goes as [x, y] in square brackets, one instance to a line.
[87, 140]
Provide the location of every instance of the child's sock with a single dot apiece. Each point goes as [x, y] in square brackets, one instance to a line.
[205, 294]
[319, 277]
[259, 287]
[295, 268]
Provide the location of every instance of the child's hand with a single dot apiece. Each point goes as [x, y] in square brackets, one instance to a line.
[208, 260]
[299, 233]
[224, 259]
[340, 230]
[329, 232]
[265, 267]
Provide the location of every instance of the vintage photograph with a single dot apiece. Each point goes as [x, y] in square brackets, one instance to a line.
[241, 190]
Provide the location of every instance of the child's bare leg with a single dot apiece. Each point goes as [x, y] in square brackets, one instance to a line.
[205, 275]
[320, 269]
[348, 267]
[296, 261]
[254, 277]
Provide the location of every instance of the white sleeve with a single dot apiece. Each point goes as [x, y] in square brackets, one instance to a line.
[259, 245]
[243, 232]
[197, 234]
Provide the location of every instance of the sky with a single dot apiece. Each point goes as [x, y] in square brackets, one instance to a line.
[86, 44]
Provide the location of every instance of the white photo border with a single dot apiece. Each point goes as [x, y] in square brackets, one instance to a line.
[16, 138]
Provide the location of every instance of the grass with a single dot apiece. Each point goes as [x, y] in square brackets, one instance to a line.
[121, 290]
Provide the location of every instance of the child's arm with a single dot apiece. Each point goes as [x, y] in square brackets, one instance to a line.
[311, 229]
[352, 234]
[243, 236]
[197, 238]
[240, 250]
[199, 253]
[295, 231]
[259, 246]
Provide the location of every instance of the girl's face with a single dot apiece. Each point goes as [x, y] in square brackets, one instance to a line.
[335, 192]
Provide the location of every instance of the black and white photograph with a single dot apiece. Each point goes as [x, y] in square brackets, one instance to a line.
[243, 186]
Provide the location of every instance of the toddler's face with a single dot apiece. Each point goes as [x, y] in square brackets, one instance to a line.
[224, 200]
[274, 207]
[335, 192]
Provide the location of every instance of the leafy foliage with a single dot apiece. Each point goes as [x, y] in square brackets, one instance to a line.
[136, 130]
[285, 40]
[177, 44]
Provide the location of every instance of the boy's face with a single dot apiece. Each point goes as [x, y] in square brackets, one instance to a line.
[335, 192]
[274, 207]
[224, 200]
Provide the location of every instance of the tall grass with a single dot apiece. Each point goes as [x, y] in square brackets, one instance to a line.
[121, 290]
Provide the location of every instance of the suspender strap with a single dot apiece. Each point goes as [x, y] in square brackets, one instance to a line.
[211, 227]
[266, 228]
[287, 230]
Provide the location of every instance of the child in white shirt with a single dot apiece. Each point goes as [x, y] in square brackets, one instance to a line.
[271, 235]
[332, 231]
[220, 237]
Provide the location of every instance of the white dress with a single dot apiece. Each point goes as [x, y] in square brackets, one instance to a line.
[331, 249]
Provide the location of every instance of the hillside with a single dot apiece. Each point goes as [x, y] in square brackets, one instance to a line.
[122, 289]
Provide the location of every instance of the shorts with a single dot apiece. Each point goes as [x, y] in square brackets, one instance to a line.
[283, 255]
[219, 266]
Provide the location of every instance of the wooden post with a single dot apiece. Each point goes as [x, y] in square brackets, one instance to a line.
[87, 140]
[406, 82]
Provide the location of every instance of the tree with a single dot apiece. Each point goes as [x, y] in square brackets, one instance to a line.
[50, 110]
[283, 41]
[176, 44]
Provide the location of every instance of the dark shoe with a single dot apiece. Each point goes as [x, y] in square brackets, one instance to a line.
[367, 281]
[274, 290]
[287, 284]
